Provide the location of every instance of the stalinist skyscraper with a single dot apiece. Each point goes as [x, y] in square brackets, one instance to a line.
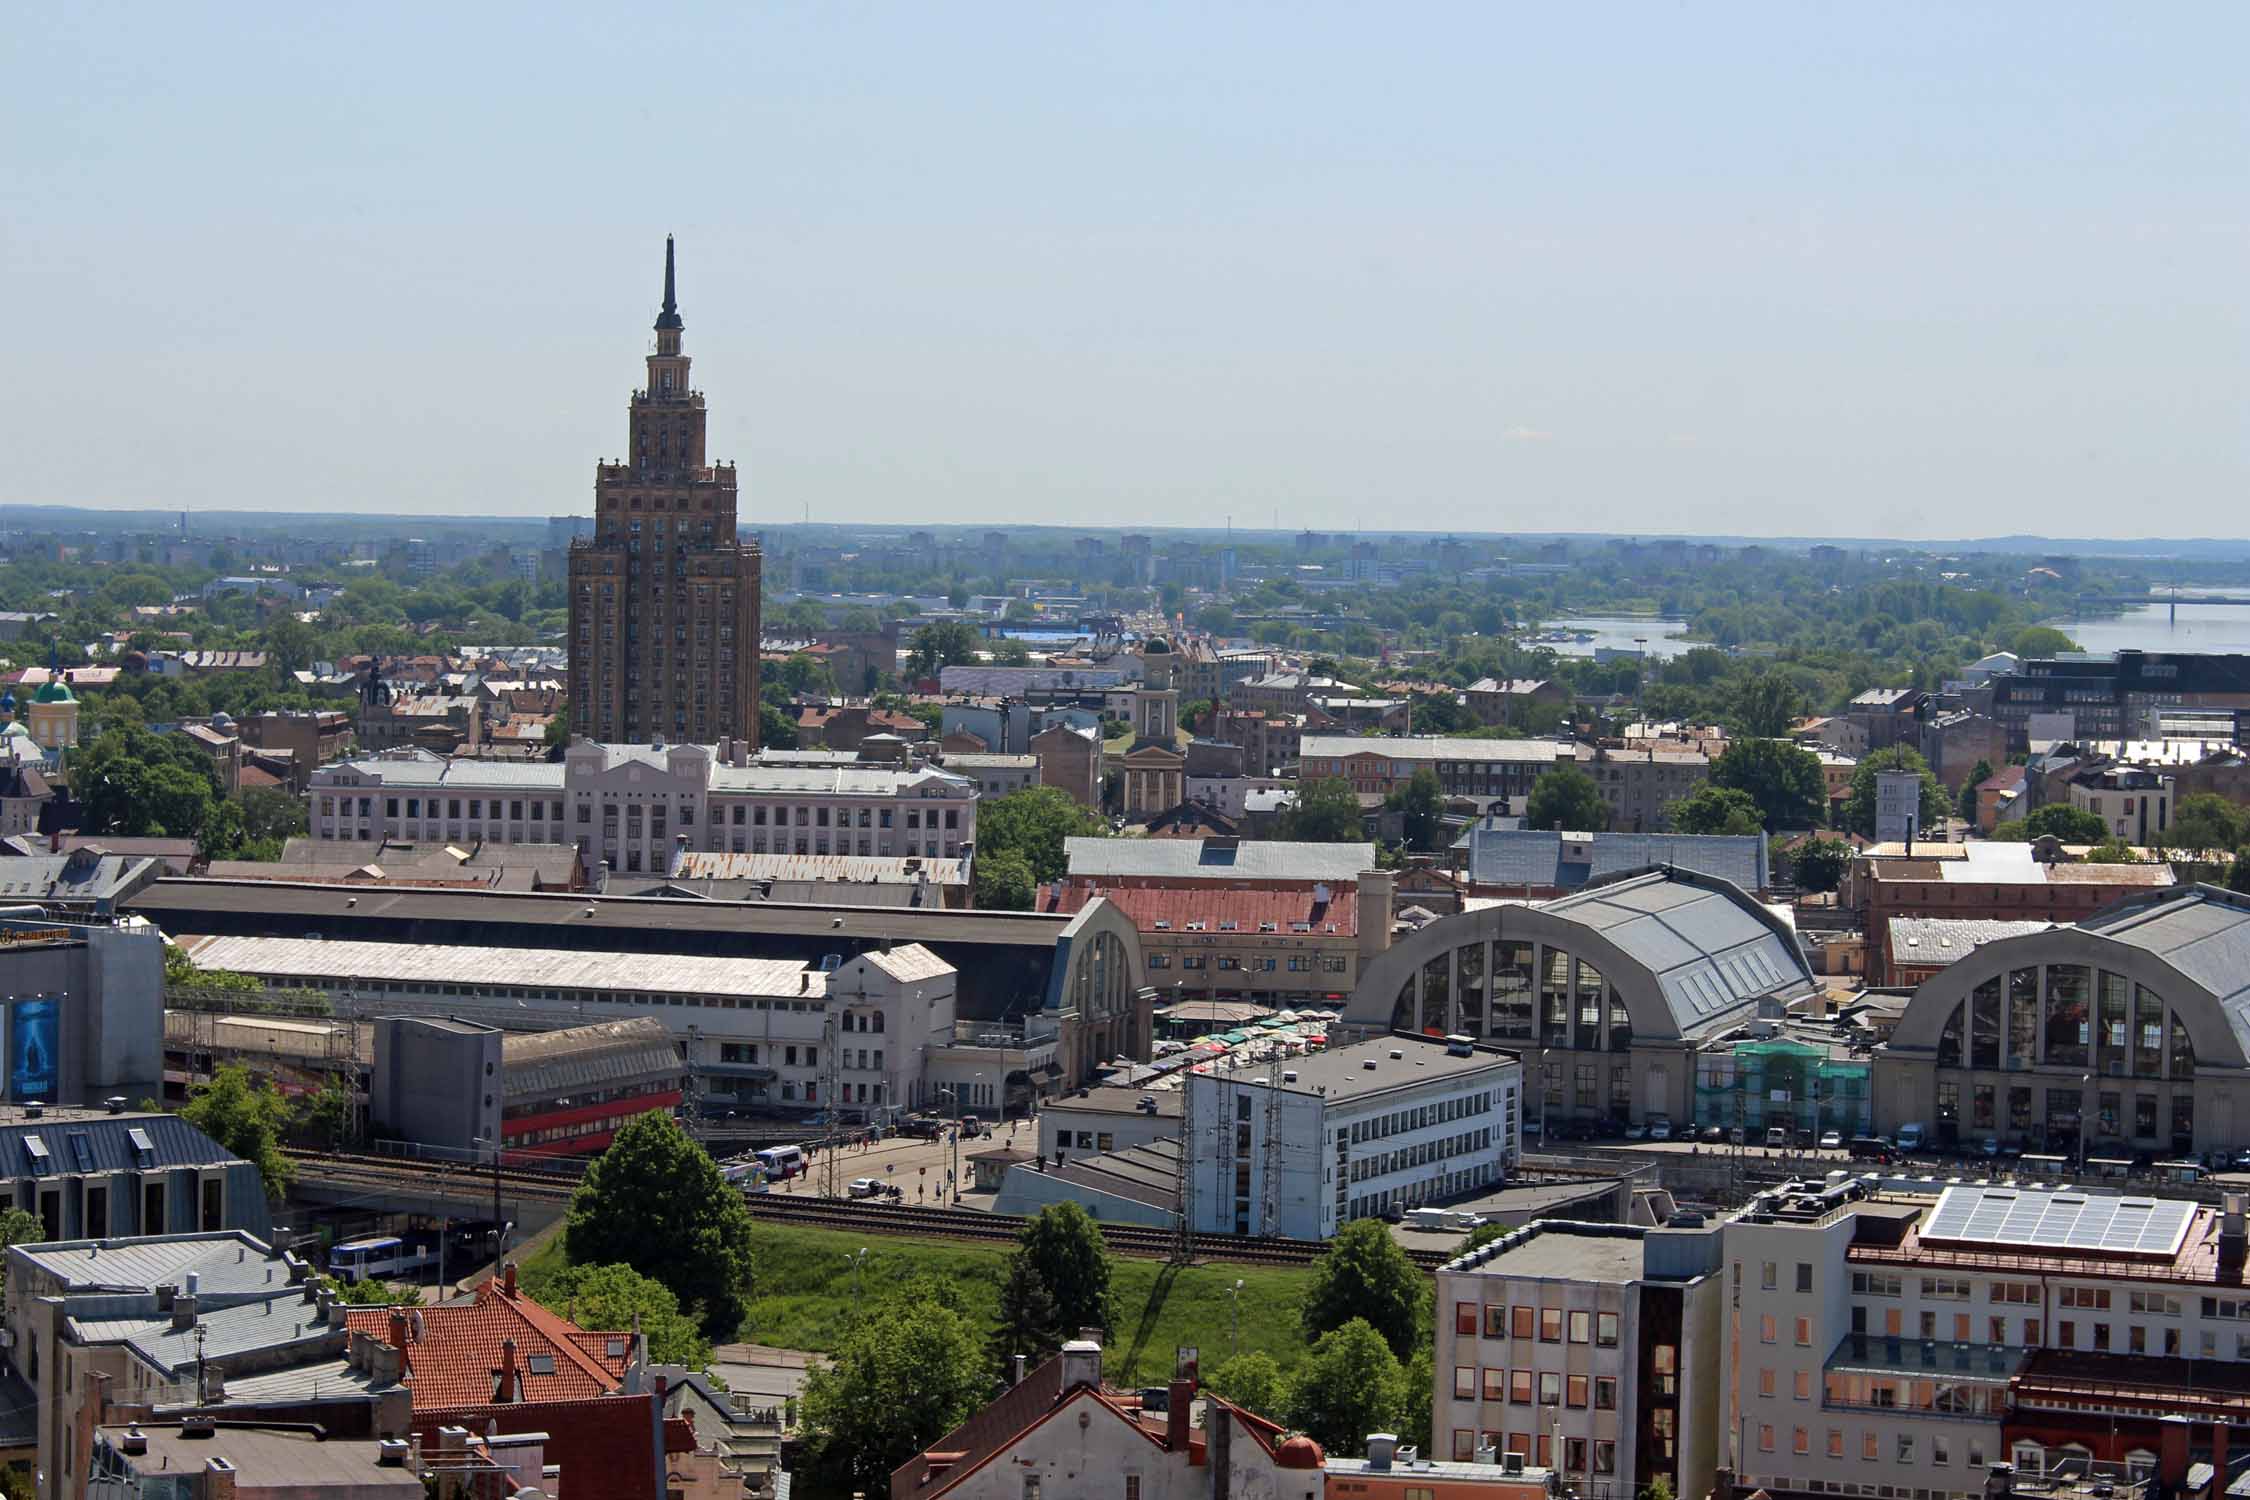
[663, 597]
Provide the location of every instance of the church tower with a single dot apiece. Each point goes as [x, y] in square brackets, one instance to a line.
[664, 606]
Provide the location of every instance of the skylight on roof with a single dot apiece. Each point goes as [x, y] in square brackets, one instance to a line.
[542, 1364]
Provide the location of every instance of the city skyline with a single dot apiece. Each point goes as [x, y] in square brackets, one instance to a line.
[1746, 273]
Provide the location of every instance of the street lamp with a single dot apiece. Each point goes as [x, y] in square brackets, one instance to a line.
[857, 1261]
[499, 1228]
[1235, 1293]
[2085, 1081]
[953, 1139]
[1544, 1054]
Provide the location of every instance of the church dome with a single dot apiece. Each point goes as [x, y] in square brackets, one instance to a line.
[15, 726]
[1299, 1452]
[54, 690]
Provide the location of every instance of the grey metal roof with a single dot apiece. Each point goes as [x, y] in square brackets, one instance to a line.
[467, 775]
[1535, 857]
[89, 1142]
[351, 963]
[1713, 951]
[860, 781]
[2201, 931]
[1219, 859]
[606, 1053]
[79, 876]
[318, 1380]
[282, 1322]
[1341, 1074]
[1937, 941]
[227, 1264]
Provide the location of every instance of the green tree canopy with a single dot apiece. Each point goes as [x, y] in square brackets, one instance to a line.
[2112, 851]
[1253, 1382]
[909, 1371]
[945, 643]
[1859, 806]
[1364, 1274]
[1065, 1246]
[1033, 824]
[1766, 704]
[1028, 1324]
[1819, 864]
[2073, 825]
[613, 1296]
[2205, 820]
[1421, 802]
[1783, 780]
[1326, 811]
[247, 1118]
[1347, 1386]
[1003, 882]
[1566, 798]
[1716, 809]
[2040, 640]
[656, 1201]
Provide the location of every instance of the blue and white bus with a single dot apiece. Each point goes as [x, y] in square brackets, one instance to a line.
[384, 1257]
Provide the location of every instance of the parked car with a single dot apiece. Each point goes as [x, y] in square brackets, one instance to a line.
[864, 1187]
[1871, 1148]
[1831, 1140]
[1777, 1136]
[1660, 1128]
[1714, 1133]
[1990, 1146]
[1909, 1138]
[1638, 1132]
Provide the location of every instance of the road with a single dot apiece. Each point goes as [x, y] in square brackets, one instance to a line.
[917, 1167]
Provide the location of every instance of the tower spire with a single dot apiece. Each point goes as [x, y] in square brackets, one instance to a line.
[669, 319]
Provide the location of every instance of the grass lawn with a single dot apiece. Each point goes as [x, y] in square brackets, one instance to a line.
[804, 1296]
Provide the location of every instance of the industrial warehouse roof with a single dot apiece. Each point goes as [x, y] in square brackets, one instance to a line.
[537, 1064]
[1536, 857]
[1218, 859]
[85, 874]
[423, 769]
[1433, 748]
[229, 1264]
[174, 903]
[346, 964]
[1711, 948]
[2201, 931]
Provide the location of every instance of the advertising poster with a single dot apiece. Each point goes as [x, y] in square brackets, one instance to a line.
[32, 1050]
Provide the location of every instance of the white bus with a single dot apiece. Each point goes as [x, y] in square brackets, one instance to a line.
[782, 1162]
[384, 1257]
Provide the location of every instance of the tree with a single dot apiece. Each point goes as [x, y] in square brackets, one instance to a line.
[557, 735]
[1477, 1238]
[1028, 1323]
[946, 643]
[1253, 1382]
[271, 816]
[2238, 873]
[1859, 806]
[777, 730]
[1034, 824]
[2205, 820]
[1003, 882]
[247, 1119]
[614, 1296]
[1365, 1275]
[656, 1201]
[1766, 704]
[1966, 804]
[908, 1372]
[1716, 809]
[2073, 825]
[1011, 652]
[2112, 851]
[369, 1292]
[1326, 811]
[1421, 802]
[1417, 1388]
[1065, 1246]
[1820, 864]
[1658, 1488]
[1566, 798]
[1347, 1386]
[2040, 640]
[1783, 780]
[17, 1227]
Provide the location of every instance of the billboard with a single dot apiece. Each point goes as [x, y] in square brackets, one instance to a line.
[33, 1048]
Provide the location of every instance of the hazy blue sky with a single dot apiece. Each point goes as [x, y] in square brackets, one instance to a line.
[1802, 268]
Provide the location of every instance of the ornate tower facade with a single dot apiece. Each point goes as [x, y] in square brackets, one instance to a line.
[664, 607]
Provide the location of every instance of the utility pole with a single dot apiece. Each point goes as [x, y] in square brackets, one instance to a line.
[1183, 1242]
[830, 1087]
[1269, 1200]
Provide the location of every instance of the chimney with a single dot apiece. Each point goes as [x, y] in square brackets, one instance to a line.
[2219, 1448]
[1380, 1447]
[218, 1479]
[506, 1391]
[1015, 1369]
[2232, 1240]
[1082, 1364]
[1177, 1405]
[1376, 888]
[183, 1311]
[398, 1328]
[2172, 1453]
[508, 1279]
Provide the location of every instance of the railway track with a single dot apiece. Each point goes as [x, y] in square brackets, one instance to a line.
[922, 1222]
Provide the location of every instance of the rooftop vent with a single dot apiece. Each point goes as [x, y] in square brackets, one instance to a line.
[1368, 1063]
[1397, 1055]
[115, 1104]
[1288, 1075]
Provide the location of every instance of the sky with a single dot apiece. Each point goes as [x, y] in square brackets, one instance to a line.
[1905, 270]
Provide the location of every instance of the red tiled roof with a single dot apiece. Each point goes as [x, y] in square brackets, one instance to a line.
[1176, 907]
[458, 1357]
[605, 1446]
[2003, 781]
[257, 776]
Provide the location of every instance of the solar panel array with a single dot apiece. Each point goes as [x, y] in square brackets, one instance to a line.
[2039, 1219]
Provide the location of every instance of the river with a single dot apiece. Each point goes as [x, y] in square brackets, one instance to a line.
[1659, 638]
[2150, 627]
